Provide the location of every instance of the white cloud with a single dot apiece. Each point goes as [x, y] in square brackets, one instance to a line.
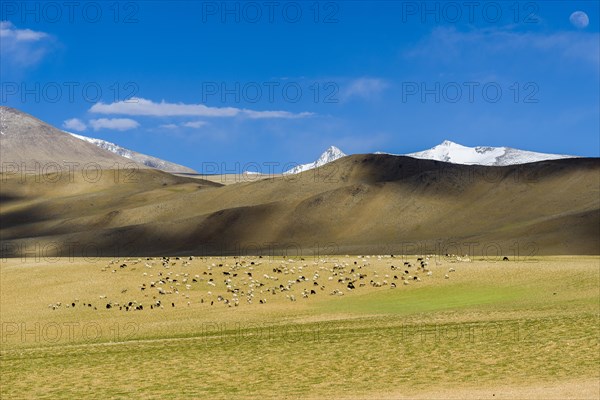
[169, 126]
[275, 114]
[139, 106]
[447, 44]
[194, 124]
[190, 124]
[9, 31]
[117, 124]
[74, 124]
[144, 107]
[366, 88]
[22, 47]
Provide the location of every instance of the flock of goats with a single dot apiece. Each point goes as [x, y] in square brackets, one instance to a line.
[177, 281]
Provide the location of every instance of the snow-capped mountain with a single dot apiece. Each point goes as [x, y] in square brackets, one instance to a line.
[29, 142]
[455, 153]
[447, 151]
[149, 161]
[450, 152]
[331, 154]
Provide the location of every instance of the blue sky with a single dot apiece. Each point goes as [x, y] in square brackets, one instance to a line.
[240, 82]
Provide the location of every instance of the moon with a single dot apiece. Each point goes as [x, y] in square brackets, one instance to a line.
[579, 19]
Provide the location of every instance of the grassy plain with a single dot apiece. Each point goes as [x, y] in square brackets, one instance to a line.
[513, 329]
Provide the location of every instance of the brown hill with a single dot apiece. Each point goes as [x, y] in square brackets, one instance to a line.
[30, 145]
[358, 204]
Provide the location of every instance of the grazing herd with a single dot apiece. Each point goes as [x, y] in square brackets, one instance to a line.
[233, 281]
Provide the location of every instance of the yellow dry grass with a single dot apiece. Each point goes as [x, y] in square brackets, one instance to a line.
[492, 330]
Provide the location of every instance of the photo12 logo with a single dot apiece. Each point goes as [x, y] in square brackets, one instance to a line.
[491, 12]
[249, 172]
[475, 332]
[119, 12]
[454, 250]
[64, 251]
[247, 332]
[270, 92]
[254, 12]
[71, 92]
[68, 172]
[469, 92]
[269, 250]
[66, 332]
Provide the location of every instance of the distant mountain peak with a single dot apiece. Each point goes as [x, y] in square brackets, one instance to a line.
[451, 152]
[333, 149]
[331, 154]
[144, 159]
[455, 153]
[448, 143]
[29, 141]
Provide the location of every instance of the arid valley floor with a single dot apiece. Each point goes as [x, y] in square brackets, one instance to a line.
[118, 280]
[459, 328]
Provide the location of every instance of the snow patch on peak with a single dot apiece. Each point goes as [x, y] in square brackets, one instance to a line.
[103, 144]
[149, 161]
[448, 143]
[331, 154]
[456, 153]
